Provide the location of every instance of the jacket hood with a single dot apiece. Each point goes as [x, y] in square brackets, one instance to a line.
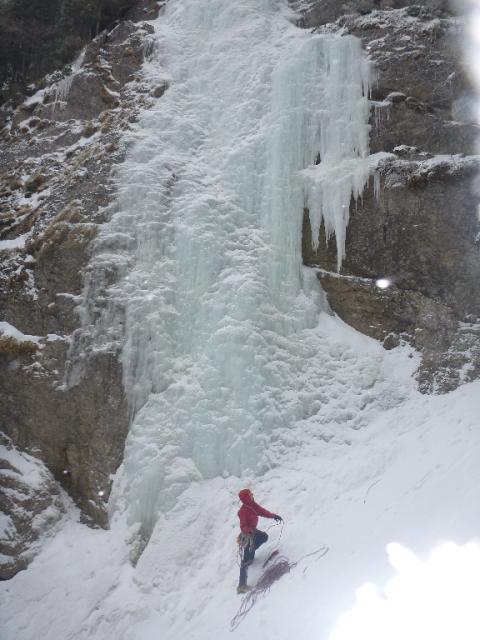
[245, 496]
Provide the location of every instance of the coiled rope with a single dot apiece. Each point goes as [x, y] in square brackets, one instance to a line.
[271, 574]
[268, 577]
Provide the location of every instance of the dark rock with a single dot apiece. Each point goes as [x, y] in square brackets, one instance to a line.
[450, 350]
[146, 10]
[84, 99]
[419, 233]
[394, 124]
[391, 341]
[395, 97]
[79, 431]
[420, 59]
[160, 90]
[381, 313]
[35, 183]
[321, 12]
[89, 130]
[31, 503]
[121, 33]
[108, 97]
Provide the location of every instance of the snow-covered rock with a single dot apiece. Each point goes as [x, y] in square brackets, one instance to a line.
[32, 504]
[58, 153]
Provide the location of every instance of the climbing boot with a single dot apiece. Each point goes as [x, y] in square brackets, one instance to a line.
[243, 588]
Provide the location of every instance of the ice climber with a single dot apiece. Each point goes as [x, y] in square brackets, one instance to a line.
[250, 537]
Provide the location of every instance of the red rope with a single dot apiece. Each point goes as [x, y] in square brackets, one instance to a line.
[268, 577]
[273, 573]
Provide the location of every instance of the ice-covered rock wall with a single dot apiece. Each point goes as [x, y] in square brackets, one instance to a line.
[260, 117]
[417, 224]
[56, 156]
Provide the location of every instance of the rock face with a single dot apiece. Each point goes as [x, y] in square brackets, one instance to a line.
[416, 224]
[321, 12]
[36, 38]
[79, 432]
[31, 504]
[57, 158]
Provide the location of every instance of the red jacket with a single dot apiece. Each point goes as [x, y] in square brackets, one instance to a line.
[249, 512]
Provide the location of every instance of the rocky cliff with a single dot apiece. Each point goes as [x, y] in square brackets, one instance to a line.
[37, 38]
[31, 506]
[415, 226]
[58, 153]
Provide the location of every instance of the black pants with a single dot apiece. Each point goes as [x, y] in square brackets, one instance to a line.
[248, 554]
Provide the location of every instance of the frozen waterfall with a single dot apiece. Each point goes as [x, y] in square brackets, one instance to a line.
[261, 119]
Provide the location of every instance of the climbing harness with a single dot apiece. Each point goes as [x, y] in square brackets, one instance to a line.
[245, 540]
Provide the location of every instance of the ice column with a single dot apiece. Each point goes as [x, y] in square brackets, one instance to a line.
[343, 135]
[209, 292]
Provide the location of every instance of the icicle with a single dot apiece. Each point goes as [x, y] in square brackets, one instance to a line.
[376, 184]
[342, 112]
[64, 86]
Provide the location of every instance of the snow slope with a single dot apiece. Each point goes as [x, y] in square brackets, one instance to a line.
[409, 475]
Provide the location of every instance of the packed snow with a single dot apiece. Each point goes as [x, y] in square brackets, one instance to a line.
[14, 243]
[9, 331]
[238, 375]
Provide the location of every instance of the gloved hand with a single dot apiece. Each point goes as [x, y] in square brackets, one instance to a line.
[277, 518]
